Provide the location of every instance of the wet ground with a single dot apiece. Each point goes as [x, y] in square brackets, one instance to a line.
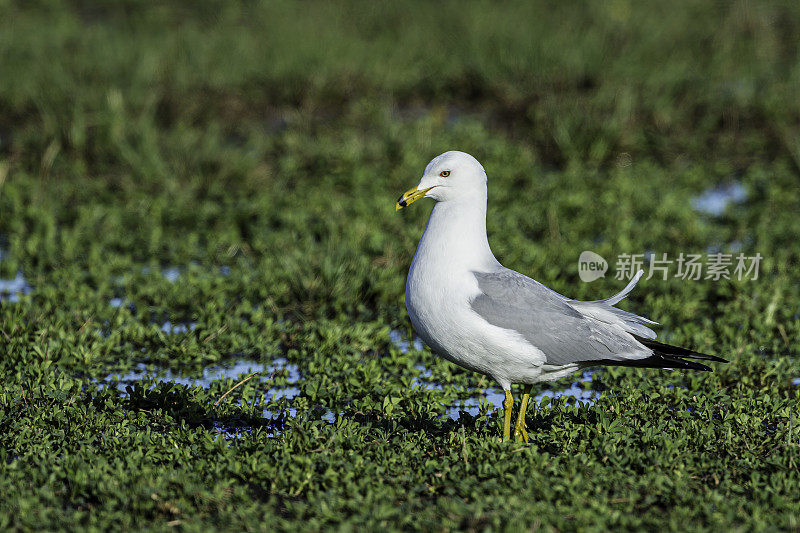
[579, 391]
[240, 369]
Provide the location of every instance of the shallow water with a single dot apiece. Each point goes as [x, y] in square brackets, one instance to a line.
[167, 327]
[584, 396]
[402, 343]
[494, 396]
[181, 327]
[240, 368]
[715, 200]
[171, 274]
[578, 393]
[12, 289]
[237, 370]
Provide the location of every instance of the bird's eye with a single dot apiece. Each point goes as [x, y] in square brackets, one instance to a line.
[444, 173]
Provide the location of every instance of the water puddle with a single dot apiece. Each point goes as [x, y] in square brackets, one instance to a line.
[715, 200]
[238, 370]
[167, 326]
[399, 339]
[12, 289]
[472, 406]
[424, 373]
[181, 327]
[581, 394]
[171, 273]
[578, 392]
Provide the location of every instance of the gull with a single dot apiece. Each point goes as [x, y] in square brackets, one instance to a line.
[476, 313]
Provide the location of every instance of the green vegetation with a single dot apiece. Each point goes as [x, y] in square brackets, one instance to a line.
[256, 150]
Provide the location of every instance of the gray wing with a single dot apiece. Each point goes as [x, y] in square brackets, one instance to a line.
[546, 320]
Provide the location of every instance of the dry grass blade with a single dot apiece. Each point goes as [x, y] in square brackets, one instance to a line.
[245, 380]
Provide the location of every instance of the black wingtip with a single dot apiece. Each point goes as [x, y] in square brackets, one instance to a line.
[666, 356]
[669, 349]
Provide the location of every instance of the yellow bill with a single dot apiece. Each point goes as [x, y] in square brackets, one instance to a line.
[409, 197]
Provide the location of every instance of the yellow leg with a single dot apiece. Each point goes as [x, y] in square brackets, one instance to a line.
[519, 430]
[508, 405]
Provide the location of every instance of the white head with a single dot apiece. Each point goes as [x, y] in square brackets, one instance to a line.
[449, 176]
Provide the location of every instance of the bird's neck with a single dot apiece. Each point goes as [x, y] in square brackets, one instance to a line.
[456, 235]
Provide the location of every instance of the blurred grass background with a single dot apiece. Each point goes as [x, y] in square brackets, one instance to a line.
[272, 139]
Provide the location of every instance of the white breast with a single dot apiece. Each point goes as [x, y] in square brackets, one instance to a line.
[439, 288]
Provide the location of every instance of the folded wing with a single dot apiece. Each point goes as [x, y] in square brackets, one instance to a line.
[573, 331]
[550, 322]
